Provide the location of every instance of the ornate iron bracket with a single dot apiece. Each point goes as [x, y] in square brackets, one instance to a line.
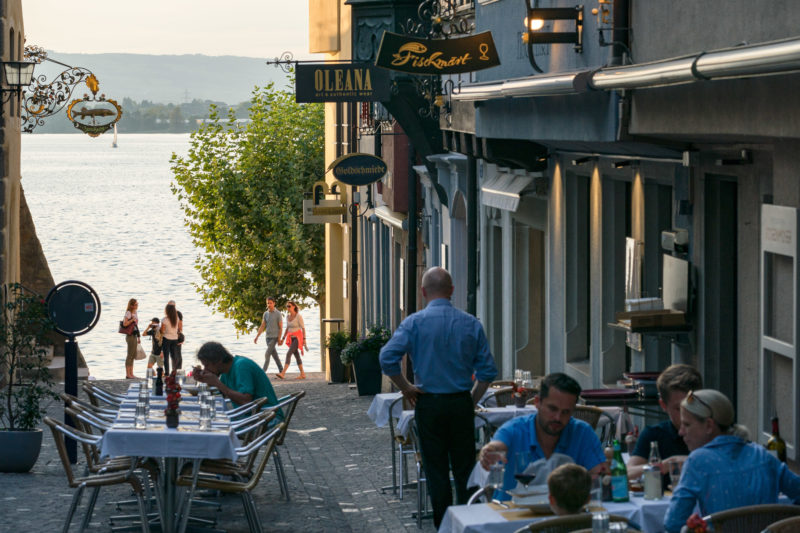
[43, 100]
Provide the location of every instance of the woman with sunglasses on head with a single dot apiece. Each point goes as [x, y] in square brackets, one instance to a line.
[294, 337]
[724, 470]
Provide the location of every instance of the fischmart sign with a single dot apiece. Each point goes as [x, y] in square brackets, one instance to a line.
[358, 168]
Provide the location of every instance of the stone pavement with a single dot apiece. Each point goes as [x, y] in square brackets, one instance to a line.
[335, 458]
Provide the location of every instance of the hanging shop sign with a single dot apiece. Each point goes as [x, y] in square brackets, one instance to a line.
[437, 56]
[341, 82]
[358, 168]
[327, 205]
[94, 114]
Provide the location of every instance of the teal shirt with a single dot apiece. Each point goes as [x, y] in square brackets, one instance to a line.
[247, 377]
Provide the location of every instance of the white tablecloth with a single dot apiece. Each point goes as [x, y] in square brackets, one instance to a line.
[480, 518]
[378, 410]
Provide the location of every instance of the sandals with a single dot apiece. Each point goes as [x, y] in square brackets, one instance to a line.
[279, 376]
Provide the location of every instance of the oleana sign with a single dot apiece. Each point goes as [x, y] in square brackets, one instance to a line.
[358, 168]
[437, 56]
[341, 82]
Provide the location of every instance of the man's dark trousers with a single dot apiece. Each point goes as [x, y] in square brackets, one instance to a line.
[446, 428]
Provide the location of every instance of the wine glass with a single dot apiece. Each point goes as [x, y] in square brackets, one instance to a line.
[675, 474]
[522, 461]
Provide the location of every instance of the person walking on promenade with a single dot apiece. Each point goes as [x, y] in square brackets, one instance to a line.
[294, 337]
[447, 346]
[131, 339]
[272, 323]
[181, 338]
[171, 327]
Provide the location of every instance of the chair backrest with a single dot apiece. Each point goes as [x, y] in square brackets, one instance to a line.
[566, 524]
[249, 407]
[59, 429]
[588, 413]
[787, 525]
[267, 443]
[288, 406]
[98, 394]
[502, 396]
[101, 412]
[502, 383]
[751, 518]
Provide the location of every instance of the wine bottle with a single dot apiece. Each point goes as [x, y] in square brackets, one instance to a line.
[160, 383]
[776, 445]
[619, 476]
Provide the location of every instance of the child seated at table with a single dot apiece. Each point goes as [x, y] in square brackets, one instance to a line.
[569, 486]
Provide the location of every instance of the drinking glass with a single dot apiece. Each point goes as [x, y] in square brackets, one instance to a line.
[140, 420]
[144, 397]
[596, 494]
[212, 408]
[497, 468]
[202, 387]
[205, 417]
[522, 460]
[675, 474]
[180, 376]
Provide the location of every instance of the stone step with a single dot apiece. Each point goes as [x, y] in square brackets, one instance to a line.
[56, 368]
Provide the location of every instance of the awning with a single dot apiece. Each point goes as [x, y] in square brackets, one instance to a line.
[503, 191]
[391, 218]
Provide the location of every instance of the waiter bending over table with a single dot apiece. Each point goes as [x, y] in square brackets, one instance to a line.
[447, 346]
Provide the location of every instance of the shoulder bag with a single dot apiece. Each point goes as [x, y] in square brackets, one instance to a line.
[127, 330]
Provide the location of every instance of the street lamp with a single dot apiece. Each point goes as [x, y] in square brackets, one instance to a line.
[18, 74]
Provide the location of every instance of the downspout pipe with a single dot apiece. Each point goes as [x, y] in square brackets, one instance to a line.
[776, 57]
[472, 235]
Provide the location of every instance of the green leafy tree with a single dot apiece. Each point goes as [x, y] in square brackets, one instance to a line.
[241, 189]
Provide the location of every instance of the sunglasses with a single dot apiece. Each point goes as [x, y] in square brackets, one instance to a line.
[692, 397]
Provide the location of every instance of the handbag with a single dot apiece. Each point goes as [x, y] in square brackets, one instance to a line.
[181, 338]
[127, 330]
[140, 353]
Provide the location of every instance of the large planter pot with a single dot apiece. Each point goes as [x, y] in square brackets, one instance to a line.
[336, 366]
[368, 373]
[20, 450]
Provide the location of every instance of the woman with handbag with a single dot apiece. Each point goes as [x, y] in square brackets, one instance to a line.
[171, 329]
[130, 327]
[294, 337]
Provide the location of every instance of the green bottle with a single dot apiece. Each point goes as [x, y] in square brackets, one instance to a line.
[619, 476]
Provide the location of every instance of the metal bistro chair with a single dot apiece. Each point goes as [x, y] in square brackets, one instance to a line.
[750, 518]
[288, 407]
[422, 481]
[401, 446]
[502, 396]
[93, 481]
[566, 524]
[787, 525]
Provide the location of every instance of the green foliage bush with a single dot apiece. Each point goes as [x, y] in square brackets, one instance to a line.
[372, 343]
[25, 381]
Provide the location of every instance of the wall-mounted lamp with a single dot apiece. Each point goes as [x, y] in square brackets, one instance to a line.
[18, 75]
[535, 21]
[625, 163]
[583, 160]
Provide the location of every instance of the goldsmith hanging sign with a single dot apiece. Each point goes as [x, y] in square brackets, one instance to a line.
[341, 82]
[437, 56]
[358, 168]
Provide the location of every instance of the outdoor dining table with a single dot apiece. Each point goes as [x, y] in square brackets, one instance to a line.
[169, 445]
[491, 518]
[378, 410]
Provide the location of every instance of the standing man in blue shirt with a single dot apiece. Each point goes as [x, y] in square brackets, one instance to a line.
[551, 429]
[447, 346]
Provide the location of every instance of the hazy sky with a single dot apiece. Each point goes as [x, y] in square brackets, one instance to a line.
[252, 28]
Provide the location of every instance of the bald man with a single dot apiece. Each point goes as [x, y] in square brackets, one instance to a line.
[447, 347]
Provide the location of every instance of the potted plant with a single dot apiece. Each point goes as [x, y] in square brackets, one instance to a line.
[335, 343]
[25, 381]
[363, 354]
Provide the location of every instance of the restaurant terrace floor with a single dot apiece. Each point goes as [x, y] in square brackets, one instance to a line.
[336, 461]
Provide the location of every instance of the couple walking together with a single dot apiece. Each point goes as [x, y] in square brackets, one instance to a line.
[294, 336]
[166, 334]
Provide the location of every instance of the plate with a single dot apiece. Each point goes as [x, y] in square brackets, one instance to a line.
[534, 490]
[538, 502]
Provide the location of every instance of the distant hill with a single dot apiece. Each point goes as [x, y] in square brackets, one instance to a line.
[169, 78]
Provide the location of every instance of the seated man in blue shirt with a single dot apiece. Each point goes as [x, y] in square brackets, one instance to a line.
[551, 429]
[724, 470]
[239, 379]
[673, 384]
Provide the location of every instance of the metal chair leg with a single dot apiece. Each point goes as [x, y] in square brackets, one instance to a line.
[281, 475]
[75, 501]
[143, 514]
[89, 509]
[254, 511]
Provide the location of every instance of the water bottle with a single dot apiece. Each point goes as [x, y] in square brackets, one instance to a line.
[140, 421]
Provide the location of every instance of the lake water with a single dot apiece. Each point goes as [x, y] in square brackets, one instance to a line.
[106, 216]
